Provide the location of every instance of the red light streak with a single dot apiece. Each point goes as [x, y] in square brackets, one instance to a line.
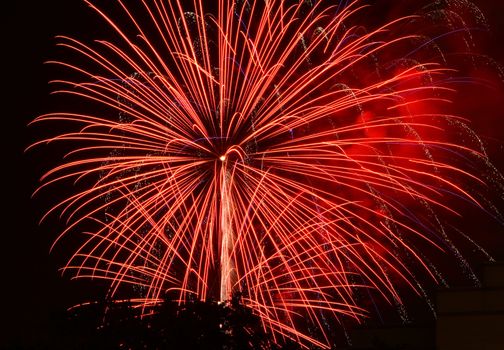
[248, 156]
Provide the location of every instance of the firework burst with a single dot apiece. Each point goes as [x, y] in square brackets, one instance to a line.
[268, 149]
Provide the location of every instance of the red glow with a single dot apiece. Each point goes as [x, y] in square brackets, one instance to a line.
[272, 148]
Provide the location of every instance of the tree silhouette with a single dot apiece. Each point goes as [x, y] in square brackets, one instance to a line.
[193, 325]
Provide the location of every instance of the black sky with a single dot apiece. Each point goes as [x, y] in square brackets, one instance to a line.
[33, 293]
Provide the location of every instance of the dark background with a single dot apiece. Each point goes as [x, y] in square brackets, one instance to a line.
[33, 292]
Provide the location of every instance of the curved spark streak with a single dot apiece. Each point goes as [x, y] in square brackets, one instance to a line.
[240, 159]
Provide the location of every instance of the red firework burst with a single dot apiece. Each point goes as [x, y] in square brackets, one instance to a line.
[270, 149]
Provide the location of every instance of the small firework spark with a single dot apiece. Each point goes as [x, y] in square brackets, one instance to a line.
[273, 149]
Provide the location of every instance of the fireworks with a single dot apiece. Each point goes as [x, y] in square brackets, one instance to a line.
[271, 149]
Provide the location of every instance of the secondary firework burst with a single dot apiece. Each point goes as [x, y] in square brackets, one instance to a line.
[268, 148]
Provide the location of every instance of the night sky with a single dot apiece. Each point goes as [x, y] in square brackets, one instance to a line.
[33, 292]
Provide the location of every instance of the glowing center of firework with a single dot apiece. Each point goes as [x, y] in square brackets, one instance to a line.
[222, 158]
